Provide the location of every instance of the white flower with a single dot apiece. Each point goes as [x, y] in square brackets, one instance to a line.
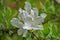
[28, 20]
[58, 1]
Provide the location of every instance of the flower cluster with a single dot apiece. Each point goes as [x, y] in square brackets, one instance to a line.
[28, 19]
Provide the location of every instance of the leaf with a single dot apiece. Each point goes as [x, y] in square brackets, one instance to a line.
[46, 29]
[14, 37]
[6, 37]
[1, 17]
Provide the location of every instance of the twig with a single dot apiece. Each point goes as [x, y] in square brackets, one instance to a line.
[35, 36]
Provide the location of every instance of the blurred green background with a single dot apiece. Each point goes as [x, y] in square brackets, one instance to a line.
[9, 9]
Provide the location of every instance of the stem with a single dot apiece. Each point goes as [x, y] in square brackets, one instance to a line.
[24, 38]
[35, 36]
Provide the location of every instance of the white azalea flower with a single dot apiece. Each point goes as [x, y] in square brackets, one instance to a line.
[58, 1]
[28, 20]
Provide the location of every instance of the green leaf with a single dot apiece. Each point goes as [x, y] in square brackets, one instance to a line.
[1, 17]
[6, 37]
[46, 29]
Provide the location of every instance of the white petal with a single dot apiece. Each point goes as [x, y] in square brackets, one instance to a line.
[38, 27]
[27, 26]
[35, 12]
[21, 15]
[28, 20]
[43, 15]
[25, 13]
[27, 6]
[25, 32]
[39, 20]
[32, 12]
[20, 31]
[20, 10]
[27, 16]
[15, 22]
[58, 1]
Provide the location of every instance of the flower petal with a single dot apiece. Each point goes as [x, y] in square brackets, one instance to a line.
[25, 14]
[43, 15]
[20, 31]
[27, 26]
[27, 6]
[38, 20]
[32, 13]
[38, 27]
[15, 22]
[35, 12]
[20, 10]
[27, 18]
[21, 15]
[25, 32]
